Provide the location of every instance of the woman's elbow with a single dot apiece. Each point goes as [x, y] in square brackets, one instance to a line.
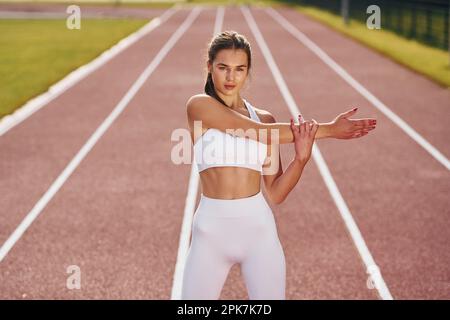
[276, 199]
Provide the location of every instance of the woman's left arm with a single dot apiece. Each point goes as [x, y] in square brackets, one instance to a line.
[279, 184]
[344, 128]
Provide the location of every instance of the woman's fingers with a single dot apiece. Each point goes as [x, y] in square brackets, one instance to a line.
[306, 127]
[360, 134]
[314, 128]
[295, 130]
[309, 126]
[364, 123]
[302, 128]
[300, 122]
[293, 127]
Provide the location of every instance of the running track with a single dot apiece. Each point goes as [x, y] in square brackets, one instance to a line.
[119, 214]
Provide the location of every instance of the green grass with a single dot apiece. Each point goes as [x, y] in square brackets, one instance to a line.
[428, 61]
[37, 53]
[128, 3]
[144, 3]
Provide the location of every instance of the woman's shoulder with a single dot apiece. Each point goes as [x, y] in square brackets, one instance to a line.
[198, 97]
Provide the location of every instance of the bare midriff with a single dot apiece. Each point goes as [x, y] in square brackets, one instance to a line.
[230, 182]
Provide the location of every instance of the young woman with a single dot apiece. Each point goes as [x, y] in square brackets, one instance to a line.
[233, 222]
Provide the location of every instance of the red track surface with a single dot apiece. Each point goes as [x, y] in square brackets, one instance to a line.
[118, 216]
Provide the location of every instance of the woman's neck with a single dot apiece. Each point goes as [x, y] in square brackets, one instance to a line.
[233, 102]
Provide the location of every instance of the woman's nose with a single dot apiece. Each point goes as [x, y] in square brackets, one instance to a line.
[230, 75]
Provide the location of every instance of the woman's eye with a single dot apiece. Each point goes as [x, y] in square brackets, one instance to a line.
[223, 68]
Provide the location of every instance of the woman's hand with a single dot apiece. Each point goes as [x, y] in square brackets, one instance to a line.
[344, 128]
[304, 136]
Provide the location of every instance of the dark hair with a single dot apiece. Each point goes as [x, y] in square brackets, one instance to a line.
[225, 40]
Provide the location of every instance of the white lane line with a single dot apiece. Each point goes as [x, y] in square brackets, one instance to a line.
[189, 208]
[33, 105]
[183, 244]
[359, 87]
[333, 189]
[219, 20]
[39, 206]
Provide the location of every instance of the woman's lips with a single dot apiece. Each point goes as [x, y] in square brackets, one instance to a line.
[229, 87]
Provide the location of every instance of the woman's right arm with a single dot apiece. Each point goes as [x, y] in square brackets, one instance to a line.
[214, 114]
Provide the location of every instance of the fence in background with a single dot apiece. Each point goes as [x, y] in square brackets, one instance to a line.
[424, 21]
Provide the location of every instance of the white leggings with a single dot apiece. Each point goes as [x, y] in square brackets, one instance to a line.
[225, 232]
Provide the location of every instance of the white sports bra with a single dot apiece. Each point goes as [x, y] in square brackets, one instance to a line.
[216, 148]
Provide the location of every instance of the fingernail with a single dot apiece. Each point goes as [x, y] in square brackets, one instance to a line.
[355, 109]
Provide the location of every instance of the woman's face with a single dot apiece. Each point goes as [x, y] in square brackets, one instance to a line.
[229, 68]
